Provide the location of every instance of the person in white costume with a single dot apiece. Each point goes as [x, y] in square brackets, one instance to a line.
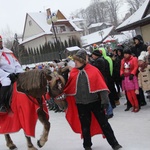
[9, 69]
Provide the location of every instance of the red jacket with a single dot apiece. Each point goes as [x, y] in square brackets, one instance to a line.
[133, 65]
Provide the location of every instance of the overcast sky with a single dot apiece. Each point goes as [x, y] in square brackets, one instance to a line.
[13, 12]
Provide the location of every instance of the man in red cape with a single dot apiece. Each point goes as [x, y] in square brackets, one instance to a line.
[87, 97]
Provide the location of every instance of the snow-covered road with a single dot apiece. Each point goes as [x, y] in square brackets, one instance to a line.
[131, 129]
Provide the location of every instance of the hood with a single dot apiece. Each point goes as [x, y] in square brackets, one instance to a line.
[139, 37]
[104, 54]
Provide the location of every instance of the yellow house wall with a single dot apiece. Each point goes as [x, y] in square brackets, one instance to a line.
[146, 33]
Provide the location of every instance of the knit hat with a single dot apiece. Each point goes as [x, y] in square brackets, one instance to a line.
[142, 56]
[127, 51]
[97, 53]
[81, 54]
[0, 38]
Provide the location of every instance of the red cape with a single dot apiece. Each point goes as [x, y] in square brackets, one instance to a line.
[96, 84]
[23, 114]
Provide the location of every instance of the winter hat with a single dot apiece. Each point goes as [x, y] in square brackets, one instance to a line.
[97, 53]
[127, 51]
[0, 38]
[142, 56]
[81, 54]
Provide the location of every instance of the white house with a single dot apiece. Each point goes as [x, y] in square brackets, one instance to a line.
[37, 31]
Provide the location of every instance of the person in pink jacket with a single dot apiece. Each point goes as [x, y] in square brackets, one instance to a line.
[130, 82]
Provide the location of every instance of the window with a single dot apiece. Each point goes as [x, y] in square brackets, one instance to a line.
[30, 23]
[62, 28]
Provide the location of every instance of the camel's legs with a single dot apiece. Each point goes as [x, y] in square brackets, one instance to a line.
[9, 142]
[29, 144]
[43, 119]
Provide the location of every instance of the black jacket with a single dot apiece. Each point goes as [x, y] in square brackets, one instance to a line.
[138, 48]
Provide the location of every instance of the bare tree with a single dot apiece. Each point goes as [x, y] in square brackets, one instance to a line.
[113, 7]
[134, 5]
[8, 37]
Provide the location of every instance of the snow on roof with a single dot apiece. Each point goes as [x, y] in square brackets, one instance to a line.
[97, 24]
[75, 27]
[73, 48]
[40, 19]
[95, 37]
[137, 16]
[76, 19]
[34, 37]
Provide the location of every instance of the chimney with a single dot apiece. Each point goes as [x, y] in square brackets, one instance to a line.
[48, 13]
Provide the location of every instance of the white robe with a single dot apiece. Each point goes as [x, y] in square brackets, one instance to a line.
[6, 68]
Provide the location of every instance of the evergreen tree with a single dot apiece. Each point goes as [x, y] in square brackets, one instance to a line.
[73, 42]
[70, 42]
[62, 46]
[41, 50]
[48, 47]
[78, 43]
[37, 50]
[66, 44]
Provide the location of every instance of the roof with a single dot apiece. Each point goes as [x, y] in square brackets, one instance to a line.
[95, 37]
[73, 48]
[138, 16]
[97, 25]
[35, 37]
[40, 18]
[119, 38]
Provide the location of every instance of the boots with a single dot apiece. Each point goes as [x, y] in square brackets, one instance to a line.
[116, 147]
[88, 148]
[135, 109]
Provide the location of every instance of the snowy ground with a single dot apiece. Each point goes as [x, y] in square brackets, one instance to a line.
[131, 129]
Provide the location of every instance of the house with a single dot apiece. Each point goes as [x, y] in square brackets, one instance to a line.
[139, 21]
[96, 37]
[38, 31]
[98, 26]
[81, 23]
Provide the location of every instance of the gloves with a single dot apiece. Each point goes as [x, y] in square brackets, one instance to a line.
[137, 92]
[13, 77]
[131, 77]
[122, 76]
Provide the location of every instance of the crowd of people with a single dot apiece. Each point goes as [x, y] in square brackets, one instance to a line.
[123, 70]
[95, 82]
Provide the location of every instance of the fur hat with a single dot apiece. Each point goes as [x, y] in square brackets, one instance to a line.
[142, 56]
[1, 38]
[80, 56]
[97, 53]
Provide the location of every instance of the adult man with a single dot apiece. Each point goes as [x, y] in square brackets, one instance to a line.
[9, 68]
[100, 63]
[88, 91]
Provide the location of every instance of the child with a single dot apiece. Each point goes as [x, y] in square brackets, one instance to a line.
[129, 66]
[144, 71]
